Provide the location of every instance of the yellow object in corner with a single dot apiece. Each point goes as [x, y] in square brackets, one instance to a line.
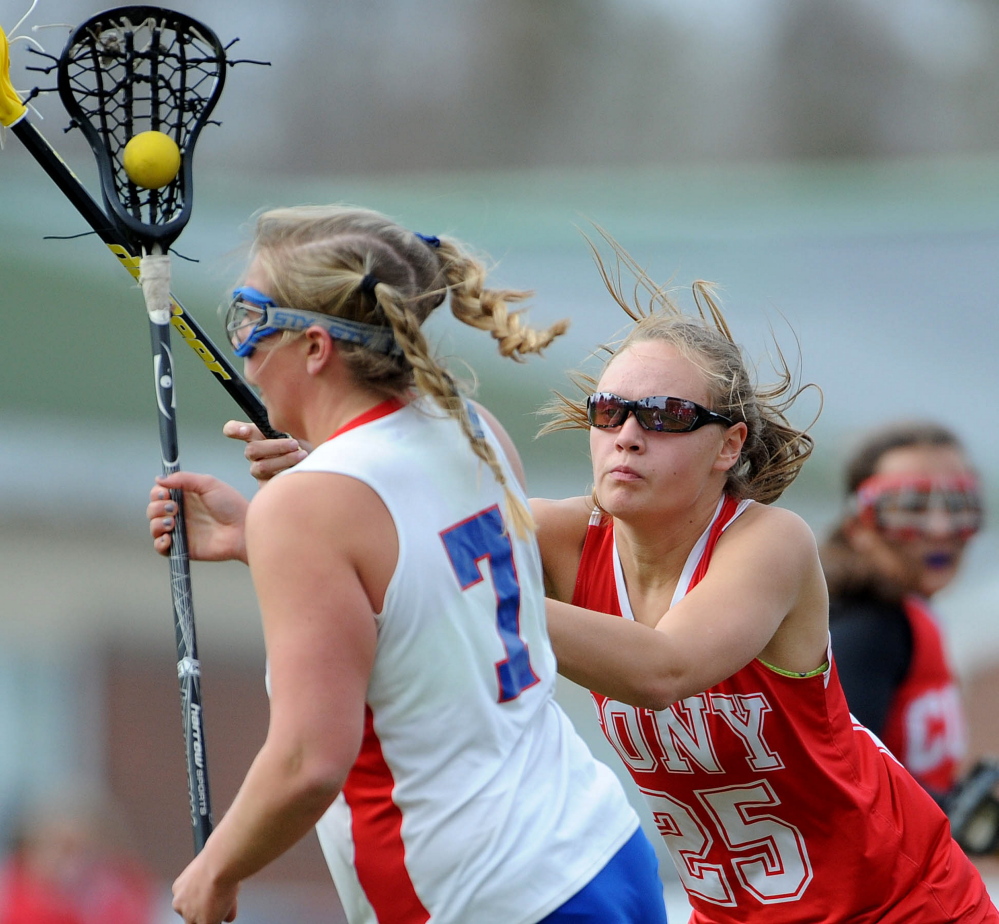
[11, 107]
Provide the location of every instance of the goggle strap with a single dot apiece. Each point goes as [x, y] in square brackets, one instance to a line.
[379, 339]
[878, 484]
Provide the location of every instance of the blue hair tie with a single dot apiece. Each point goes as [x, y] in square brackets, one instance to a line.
[430, 239]
[368, 283]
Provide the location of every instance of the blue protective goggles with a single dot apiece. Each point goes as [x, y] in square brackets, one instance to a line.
[251, 316]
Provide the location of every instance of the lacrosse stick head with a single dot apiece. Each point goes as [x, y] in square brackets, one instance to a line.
[139, 69]
[11, 107]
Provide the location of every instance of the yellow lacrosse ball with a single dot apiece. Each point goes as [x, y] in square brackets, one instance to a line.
[151, 159]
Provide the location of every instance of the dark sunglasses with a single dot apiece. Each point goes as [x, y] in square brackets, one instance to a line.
[659, 413]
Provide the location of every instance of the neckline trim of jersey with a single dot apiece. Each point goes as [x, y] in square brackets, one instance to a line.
[389, 406]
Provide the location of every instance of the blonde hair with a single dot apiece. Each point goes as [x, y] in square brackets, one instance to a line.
[358, 264]
[774, 450]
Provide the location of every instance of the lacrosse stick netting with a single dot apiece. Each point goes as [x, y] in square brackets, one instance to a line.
[136, 69]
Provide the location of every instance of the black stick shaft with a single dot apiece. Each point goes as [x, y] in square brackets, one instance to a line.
[192, 333]
[188, 665]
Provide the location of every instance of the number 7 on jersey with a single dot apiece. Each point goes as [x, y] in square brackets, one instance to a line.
[484, 537]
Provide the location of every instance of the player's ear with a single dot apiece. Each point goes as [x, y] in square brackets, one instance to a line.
[731, 448]
[320, 349]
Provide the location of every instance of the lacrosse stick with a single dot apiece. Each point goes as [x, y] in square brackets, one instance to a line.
[14, 115]
[140, 82]
[973, 809]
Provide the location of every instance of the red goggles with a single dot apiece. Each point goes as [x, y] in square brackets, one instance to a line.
[905, 507]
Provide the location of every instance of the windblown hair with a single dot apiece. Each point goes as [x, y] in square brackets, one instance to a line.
[847, 571]
[317, 259]
[774, 451]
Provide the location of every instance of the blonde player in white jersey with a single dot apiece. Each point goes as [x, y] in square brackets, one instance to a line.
[409, 667]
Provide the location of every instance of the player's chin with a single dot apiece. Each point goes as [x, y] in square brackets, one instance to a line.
[617, 499]
[936, 578]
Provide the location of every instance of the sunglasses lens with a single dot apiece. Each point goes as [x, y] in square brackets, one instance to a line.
[669, 415]
[605, 410]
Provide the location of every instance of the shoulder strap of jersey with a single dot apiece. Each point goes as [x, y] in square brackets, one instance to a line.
[595, 578]
[729, 510]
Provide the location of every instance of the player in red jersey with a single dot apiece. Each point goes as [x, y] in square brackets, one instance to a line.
[913, 504]
[705, 640]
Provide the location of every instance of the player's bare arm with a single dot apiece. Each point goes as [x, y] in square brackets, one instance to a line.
[315, 595]
[561, 526]
[714, 631]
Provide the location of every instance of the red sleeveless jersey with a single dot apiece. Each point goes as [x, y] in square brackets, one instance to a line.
[924, 727]
[774, 804]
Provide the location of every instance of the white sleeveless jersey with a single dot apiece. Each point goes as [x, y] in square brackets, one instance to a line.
[473, 800]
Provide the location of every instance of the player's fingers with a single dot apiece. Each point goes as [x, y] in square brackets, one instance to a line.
[162, 543]
[161, 490]
[161, 525]
[263, 469]
[190, 483]
[181, 481]
[265, 450]
[158, 509]
[267, 457]
[241, 430]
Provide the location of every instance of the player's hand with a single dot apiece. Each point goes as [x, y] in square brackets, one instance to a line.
[198, 899]
[266, 457]
[214, 516]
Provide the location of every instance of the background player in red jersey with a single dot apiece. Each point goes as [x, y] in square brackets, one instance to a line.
[913, 504]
